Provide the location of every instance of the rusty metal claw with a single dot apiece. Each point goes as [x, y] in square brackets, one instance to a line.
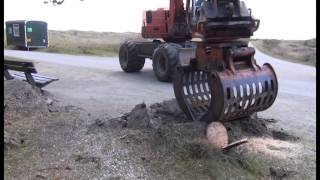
[223, 96]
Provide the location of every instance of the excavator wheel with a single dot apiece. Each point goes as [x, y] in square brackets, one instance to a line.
[165, 59]
[128, 57]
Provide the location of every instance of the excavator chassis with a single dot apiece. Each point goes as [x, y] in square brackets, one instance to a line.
[223, 83]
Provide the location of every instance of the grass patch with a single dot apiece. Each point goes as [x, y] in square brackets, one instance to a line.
[297, 51]
[86, 42]
[108, 43]
[184, 152]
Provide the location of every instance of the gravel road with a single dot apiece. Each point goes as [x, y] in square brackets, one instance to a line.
[99, 85]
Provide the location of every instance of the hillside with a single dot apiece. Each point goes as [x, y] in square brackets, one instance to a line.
[86, 42]
[297, 51]
[107, 44]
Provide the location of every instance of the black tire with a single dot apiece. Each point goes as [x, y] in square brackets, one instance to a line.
[128, 57]
[164, 61]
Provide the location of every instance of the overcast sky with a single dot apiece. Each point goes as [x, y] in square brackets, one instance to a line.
[280, 19]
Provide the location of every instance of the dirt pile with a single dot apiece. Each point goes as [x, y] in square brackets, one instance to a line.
[21, 102]
[22, 99]
[280, 173]
[138, 117]
[154, 116]
[10, 141]
[161, 115]
[149, 142]
[27, 109]
[161, 133]
[38, 132]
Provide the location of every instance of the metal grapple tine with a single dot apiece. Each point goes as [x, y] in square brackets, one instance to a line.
[230, 96]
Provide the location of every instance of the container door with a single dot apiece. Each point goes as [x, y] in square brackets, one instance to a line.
[15, 34]
[37, 34]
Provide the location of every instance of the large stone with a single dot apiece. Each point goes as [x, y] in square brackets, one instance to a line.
[217, 135]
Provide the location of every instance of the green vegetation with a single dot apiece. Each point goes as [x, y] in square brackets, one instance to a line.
[297, 51]
[108, 43]
[86, 42]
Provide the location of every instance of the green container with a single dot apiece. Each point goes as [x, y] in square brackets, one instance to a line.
[27, 34]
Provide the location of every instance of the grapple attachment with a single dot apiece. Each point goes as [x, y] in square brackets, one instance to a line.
[238, 90]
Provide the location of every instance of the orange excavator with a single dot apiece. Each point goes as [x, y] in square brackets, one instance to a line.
[202, 46]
